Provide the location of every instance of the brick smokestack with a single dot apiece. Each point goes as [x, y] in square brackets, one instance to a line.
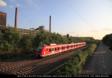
[16, 18]
[50, 24]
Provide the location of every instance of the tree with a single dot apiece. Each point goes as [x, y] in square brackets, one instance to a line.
[25, 43]
[107, 40]
[8, 40]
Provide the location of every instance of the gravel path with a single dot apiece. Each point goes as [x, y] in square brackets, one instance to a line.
[100, 62]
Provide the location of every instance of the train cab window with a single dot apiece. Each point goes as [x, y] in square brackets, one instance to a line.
[39, 49]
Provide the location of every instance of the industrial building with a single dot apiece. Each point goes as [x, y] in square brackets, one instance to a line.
[3, 27]
[3, 17]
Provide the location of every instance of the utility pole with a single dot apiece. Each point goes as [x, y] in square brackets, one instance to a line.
[16, 18]
[50, 24]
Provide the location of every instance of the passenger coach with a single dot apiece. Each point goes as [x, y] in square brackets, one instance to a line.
[52, 49]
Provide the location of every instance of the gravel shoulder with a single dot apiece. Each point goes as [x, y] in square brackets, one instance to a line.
[34, 67]
[100, 62]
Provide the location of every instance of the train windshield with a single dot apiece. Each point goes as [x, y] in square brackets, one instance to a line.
[39, 49]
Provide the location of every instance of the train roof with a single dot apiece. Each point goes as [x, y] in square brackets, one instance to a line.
[60, 45]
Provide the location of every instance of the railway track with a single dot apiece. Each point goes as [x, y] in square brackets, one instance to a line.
[35, 67]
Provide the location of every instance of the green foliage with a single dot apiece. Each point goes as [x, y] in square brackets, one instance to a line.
[12, 42]
[39, 38]
[8, 40]
[11, 36]
[5, 46]
[107, 40]
[44, 37]
[25, 43]
[75, 65]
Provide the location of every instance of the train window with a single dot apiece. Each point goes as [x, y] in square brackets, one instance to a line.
[58, 48]
[52, 49]
[55, 49]
[47, 49]
[63, 47]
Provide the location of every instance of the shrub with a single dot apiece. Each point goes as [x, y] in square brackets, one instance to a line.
[8, 40]
[25, 43]
[13, 42]
[74, 66]
[107, 40]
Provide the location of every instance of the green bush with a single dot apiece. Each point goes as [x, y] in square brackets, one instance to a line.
[107, 40]
[8, 40]
[75, 65]
[25, 43]
[12, 42]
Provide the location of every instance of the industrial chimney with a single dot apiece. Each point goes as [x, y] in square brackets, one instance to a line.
[16, 18]
[50, 24]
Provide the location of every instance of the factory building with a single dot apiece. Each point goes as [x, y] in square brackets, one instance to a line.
[3, 17]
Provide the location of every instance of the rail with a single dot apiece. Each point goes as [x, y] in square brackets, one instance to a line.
[56, 68]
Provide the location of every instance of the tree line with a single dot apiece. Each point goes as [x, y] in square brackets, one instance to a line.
[107, 40]
[12, 41]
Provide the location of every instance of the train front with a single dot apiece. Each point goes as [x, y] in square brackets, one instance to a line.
[38, 52]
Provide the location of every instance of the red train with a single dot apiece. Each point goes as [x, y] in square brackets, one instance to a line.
[48, 50]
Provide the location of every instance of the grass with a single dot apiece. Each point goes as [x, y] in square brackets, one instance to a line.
[20, 56]
[74, 66]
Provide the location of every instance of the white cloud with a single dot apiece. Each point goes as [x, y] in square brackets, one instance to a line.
[2, 3]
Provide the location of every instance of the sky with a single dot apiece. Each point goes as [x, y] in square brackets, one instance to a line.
[75, 17]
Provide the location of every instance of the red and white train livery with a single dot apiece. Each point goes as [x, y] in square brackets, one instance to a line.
[48, 50]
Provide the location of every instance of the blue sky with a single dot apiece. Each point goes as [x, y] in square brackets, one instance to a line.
[76, 17]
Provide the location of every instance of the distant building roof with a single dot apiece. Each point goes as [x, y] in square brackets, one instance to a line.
[40, 28]
[2, 12]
